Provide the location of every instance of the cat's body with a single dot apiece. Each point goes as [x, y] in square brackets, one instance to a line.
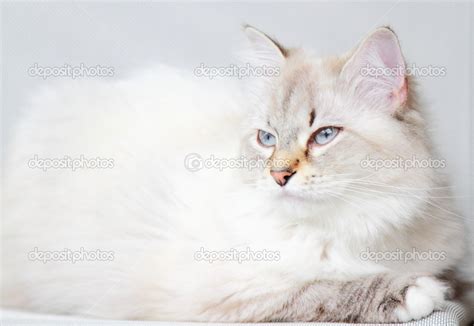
[157, 216]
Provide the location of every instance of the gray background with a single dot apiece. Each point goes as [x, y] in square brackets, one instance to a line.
[131, 35]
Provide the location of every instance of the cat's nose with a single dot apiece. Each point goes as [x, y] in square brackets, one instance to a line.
[282, 177]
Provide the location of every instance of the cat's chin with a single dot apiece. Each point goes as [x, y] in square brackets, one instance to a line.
[287, 194]
[300, 204]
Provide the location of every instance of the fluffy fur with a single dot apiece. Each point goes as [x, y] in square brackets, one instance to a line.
[155, 215]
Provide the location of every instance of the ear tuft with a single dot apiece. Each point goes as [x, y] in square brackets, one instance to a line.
[377, 69]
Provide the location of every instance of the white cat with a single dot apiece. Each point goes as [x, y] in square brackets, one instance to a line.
[162, 231]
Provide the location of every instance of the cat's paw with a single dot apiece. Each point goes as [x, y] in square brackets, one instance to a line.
[426, 295]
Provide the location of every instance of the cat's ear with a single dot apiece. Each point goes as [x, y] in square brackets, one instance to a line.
[377, 70]
[262, 49]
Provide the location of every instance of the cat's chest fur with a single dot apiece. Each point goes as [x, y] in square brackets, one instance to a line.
[325, 241]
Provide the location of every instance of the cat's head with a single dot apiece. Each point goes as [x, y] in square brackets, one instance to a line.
[319, 120]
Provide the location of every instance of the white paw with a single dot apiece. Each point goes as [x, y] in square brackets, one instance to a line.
[422, 298]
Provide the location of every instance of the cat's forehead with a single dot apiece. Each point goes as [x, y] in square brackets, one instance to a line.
[298, 94]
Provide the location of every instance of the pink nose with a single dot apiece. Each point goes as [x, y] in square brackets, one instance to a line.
[282, 177]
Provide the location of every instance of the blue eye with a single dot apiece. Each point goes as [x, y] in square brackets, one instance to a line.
[266, 139]
[325, 135]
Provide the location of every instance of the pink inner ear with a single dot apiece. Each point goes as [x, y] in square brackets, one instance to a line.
[390, 54]
[381, 51]
[385, 46]
[389, 51]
